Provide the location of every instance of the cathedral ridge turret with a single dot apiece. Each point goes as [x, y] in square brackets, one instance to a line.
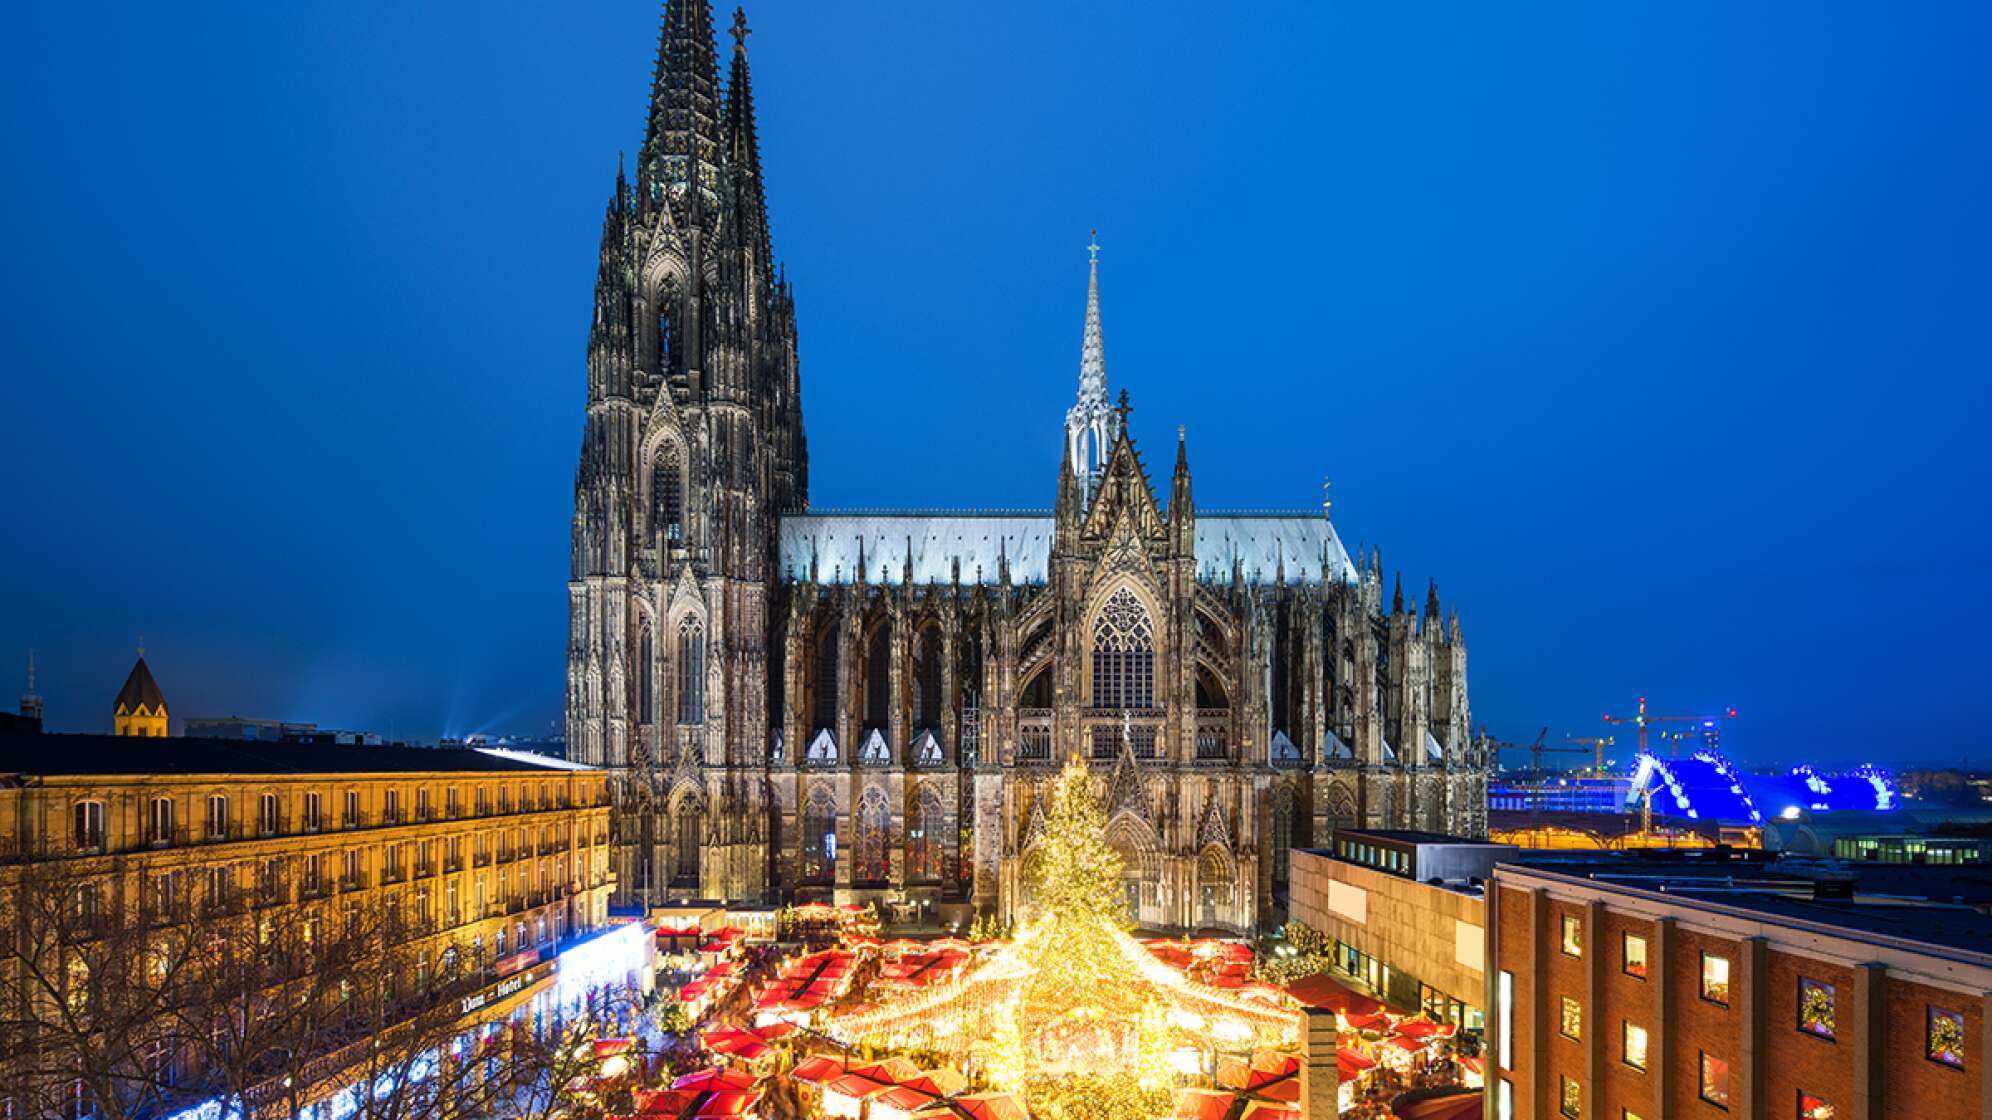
[864, 705]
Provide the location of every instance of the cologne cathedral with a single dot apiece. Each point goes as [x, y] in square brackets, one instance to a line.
[801, 704]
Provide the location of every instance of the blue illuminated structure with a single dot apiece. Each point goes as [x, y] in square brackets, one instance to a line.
[1708, 786]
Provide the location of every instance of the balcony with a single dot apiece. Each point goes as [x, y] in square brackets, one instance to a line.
[1034, 736]
[1213, 735]
[1108, 728]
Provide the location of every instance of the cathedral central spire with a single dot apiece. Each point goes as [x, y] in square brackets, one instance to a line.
[1091, 424]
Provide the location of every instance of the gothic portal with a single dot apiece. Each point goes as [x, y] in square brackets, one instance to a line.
[806, 704]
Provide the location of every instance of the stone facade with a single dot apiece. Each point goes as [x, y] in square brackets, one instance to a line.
[801, 704]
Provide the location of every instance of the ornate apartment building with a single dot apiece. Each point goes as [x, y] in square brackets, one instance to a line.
[802, 704]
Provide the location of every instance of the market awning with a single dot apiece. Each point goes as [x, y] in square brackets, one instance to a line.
[1323, 990]
[1353, 1061]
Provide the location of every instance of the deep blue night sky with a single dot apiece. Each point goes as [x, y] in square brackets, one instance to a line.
[1659, 336]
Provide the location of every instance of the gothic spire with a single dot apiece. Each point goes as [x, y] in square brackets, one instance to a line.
[31, 701]
[1091, 424]
[683, 134]
[743, 146]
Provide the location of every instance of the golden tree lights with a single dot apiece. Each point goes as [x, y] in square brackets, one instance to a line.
[1074, 1012]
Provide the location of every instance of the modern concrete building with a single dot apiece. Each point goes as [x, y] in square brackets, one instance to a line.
[1403, 915]
[1667, 989]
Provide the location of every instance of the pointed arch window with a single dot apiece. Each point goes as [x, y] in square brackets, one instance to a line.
[923, 837]
[819, 838]
[667, 494]
[878, 679]
[824, 677]
[927, 680]
[645, 673]
[874, 822]
[1123, 654]
[691, 836]
[691, 672]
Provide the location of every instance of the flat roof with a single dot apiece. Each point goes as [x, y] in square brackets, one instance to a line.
[1926, 906]
[65, 755]
[1415, 836]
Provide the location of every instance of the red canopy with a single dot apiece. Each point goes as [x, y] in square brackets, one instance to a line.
[726, 1104]
[671, 1103]
[1203, 1104]
[1374, 1021]
[711, 1080]
[818, 1069]
[1408, 1045]
[1419, 1028]
[1323, 990]
[1352, 1060]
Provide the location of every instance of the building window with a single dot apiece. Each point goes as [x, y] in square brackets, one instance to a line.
[1571, 1022]
[1715, 979]
[1504, 1100]
[691, 672]
[269, 816]
[422, 804]
[667, 491]
[1813, 1108]
[352, 808]
[646, 670]
[1632, 1046]
[1945, 1044]
[1123, 654]
[311, 816]
[217, 818]
[1815, 1007]
[1635, 956]
[1504, 996]
[1570, 1098]
[1573, 936]
[390, 806]
[452, 803]
[1714, 1080]
[159, 823]
[88, 826]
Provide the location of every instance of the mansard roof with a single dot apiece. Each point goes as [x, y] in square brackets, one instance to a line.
[981, 540]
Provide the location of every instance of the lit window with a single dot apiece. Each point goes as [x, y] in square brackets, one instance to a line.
[1715, 979]
[1635, 956]
[1813, 1108]
[1504, 1101]
[1946, 1038]
[1634, 1045]
[1815, 1007]
[1573, 936]
[1714, 1080]
[1505, 995]
[1570, 1101]
[1571, 1025]
[1123, 654]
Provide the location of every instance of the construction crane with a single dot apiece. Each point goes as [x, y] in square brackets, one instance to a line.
[1599, 744]
[1536, 750]
[1642, 720]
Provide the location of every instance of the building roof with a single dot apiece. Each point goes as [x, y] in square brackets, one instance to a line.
[1261, 544]
[140, 691]
[1927, 909]
[1411, 836]
[26, 753]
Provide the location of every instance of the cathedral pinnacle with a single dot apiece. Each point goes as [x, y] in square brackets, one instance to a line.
[1091, 424]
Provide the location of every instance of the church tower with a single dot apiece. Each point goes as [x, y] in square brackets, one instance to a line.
[140, 708]
[691, 446]
[31, 701]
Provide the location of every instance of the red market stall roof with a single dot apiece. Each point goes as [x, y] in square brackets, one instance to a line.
[1323, 990]
[1354, 1061]
[818, 1069]
[1203, 1104]
[713, 1080]
[1408, 1045]
[856, 1086]
[990, 1106]
[610, 1047]
[1374, 1021]
[1423, 1028]
[730, 1103]
[1261, 1110]
[665, 1102]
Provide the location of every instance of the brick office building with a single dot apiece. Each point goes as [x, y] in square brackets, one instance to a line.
[1693, 994]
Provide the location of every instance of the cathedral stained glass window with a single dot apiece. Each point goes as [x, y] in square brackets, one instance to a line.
[667, 494]
[874, 819]
[1123, 654]
[923, 837]
[691, 834]
[819, 838]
